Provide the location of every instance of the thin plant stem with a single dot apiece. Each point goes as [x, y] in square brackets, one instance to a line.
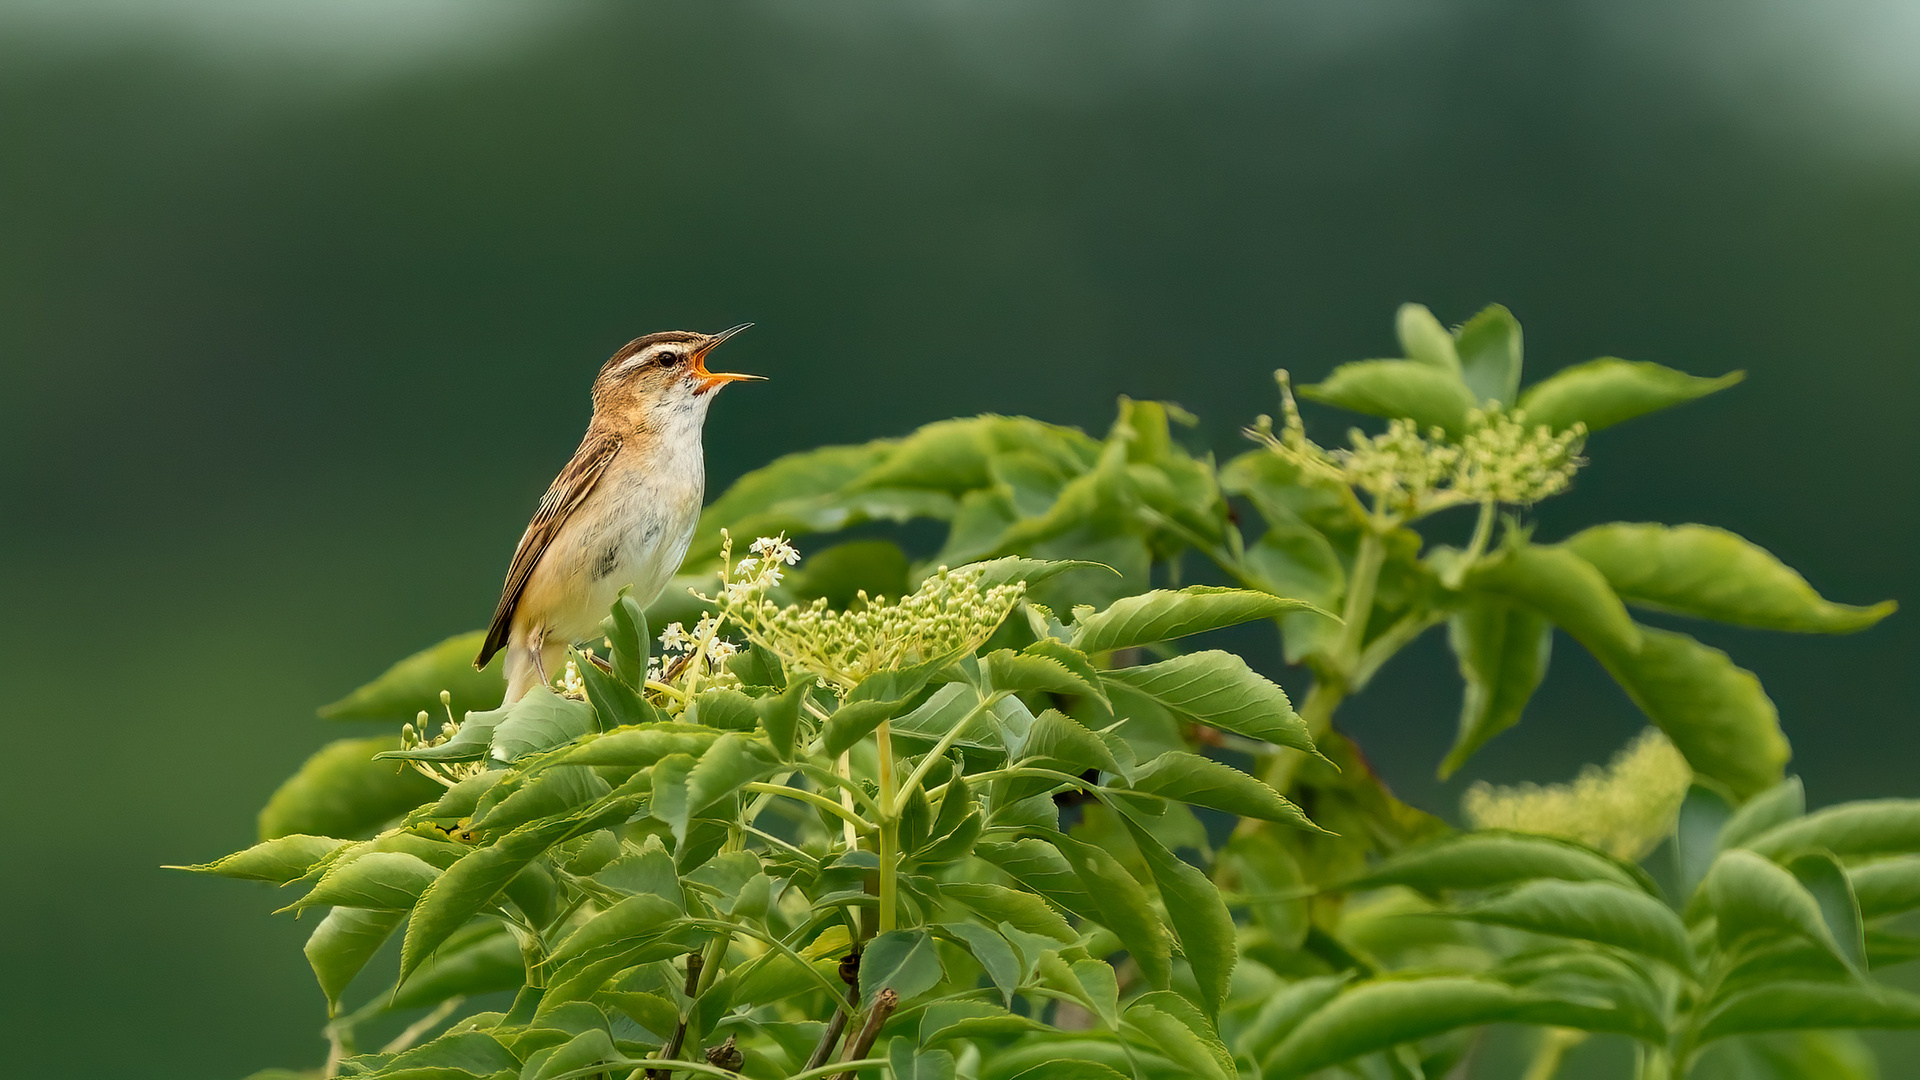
[1555, 1044]
[812, 799]
[940, 748]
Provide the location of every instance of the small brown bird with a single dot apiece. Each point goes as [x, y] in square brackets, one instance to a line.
[621, 514]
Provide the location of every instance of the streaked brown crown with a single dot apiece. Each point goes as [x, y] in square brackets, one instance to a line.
[642, 343]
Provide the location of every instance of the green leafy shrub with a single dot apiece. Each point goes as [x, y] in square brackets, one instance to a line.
[995, 812]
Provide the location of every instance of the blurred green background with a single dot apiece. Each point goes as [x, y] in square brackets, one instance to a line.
[299, 304]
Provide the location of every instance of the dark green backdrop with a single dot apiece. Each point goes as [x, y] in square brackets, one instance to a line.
[298, 307]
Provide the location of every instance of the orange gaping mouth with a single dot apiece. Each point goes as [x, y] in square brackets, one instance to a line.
[713, 380]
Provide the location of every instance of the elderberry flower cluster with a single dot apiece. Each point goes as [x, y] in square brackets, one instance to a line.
[1499, 459]
[1625, 809]
[949, 615]
[680, 648]
[414, 737]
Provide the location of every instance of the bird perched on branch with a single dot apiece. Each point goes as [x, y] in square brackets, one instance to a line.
[622, 512]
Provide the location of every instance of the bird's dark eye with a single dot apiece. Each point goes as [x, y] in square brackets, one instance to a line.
[667, 359]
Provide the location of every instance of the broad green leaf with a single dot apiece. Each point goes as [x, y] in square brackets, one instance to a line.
[469, 885]
[1199, 917]
[1283, 1011]
[755, 499]
[1206, 782]
[1824, 878]
[780, 714]
[473, 1051]
[636, 917]
[483, 958]
[1751, 895]
[1196, 1056]
[668, 800]
[549, 792]
[541, 721]
[1040, 867]
[639, 747]
[1604, 392]
[1502, 650]
[1489, 858]
[1073, 660]
[1377, 1015]
[995, 956]
[381, 880]
[1219, 690]
[944, 1020]
[1021, 671]
[1168, 614]
[1621, 916]
[614, 702]
[1567, 590]
[1887, 887]
[723, 708]
[343, 943]
[1786, 1006]
[880, 697]
[631, 642]
[1123, 908]
[1759, 815]
[1716, 714]
[1867, 827]
[1489, 350]
[1427, 395]
[342, 791]
[470, 743]
[582, 1051]
[1095, 980]
[1021, 909]
[1696, 836]
[413, 685]
[1061, 740]
[1711, 573]
[1011, 568]
[1069, 1069]
[906, 1062]
[280, 860]
[732, 760]
[1424, 340]
[904, 961]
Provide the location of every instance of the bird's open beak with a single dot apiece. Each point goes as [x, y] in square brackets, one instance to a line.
[713, 380]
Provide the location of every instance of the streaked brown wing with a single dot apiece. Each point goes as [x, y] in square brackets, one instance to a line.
[567, 492]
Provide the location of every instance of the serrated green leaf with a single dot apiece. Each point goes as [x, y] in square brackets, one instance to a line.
[904, 961]
[1502, 651]
[1168, 614]
[1564, 588]
[1751, 895]
[1424, 340]
[945, 1020]
[906, 1062]
[1786, 1006]
[1180, 1031]
[475, 1052]
[1123, 908]
[1199, 917]
[342, 791]
[582, 1051]
[414, 684]
[1378, 1015]
[1490, 354]
[628, 921]
[780, 714]
[1012, 568]
[1427, 395]
[995, 956]
[1021, 909]
[380, 880]
[1764, 812]
[538, 722]
[1074, 661]
[639, 747]
[1219, 690]
[1024, 672]
[1202, 781]
[1711, 573]
[1611, 914]
[549, 792]
[1489, 858]
[1823, 877]
[732, 760]
[280, 860]
[614, 703]
[1063, 741]
[631, 642]
[469, 885]
[723, 708]
[343, 943]
[1716, 713]
[1604, 392]
[482, 958]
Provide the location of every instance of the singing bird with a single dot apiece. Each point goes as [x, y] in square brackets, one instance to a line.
[622, 512]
